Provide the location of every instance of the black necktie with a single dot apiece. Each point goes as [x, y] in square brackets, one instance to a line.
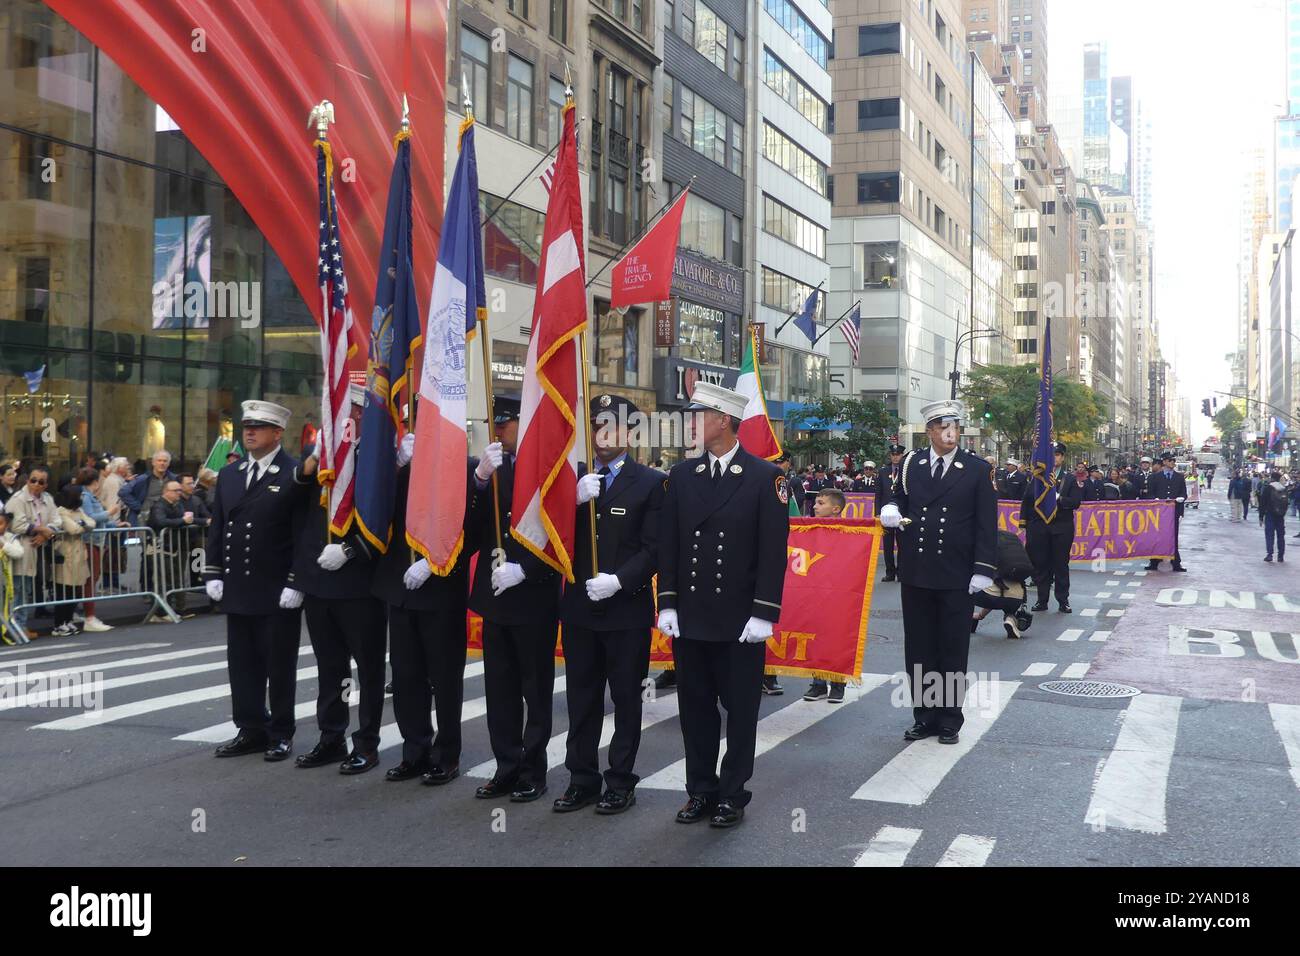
[938, 470]
[717, 471]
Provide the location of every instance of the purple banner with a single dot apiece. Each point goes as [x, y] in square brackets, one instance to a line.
[1113, 529]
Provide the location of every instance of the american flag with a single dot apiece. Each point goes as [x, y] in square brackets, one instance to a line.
[851, 328]
[337, 431]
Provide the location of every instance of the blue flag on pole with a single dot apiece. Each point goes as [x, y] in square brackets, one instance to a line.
[1043, 465]
[394, 337]
[805, 322]
[34, 380]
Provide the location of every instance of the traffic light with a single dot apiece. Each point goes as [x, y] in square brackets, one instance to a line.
[988, 412]
[1205, 408]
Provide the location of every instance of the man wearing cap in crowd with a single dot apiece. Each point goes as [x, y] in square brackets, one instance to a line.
[1168, 484]
[1094, 486]
[607, 614]
[518, 598]
[884, 489]
[1141, 479]
[947, 552]
[722, 558]
[249, 556]
[1048, 545]
[1015, 482]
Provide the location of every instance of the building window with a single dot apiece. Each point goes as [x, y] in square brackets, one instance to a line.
[704, 127]
[670, 10]
[512, 239]
[877, 187]
[878, 114]
[700, 332]
[787, 15]
[1026, 346]
[687, 29]
[616, 211]
[475, 55]
[518, 7]
[737, 240]
[519, 100]
[879, 265]
[560, 20]
[794, 159]
[702, 227]
[786, 84]
[686, 125]
[737, 148]
[798, 230]
[554, 110]
[711, 36]
[879, 39]
[785, 294]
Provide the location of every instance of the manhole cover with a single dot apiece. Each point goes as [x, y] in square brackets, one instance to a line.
[1096, 689]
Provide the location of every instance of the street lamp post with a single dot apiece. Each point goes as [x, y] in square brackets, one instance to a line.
[970, 334]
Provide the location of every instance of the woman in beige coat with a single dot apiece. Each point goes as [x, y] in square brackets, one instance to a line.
[71, 566]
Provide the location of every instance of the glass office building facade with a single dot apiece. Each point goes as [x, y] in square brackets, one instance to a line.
[139, 304]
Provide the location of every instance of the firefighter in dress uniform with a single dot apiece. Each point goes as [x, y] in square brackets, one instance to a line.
[330, 580]
[1167, 484]
[1048, 544]
[249, 556]
[722, 559]
[519, 602]
[947, 553]
[607, 616]
[889, 541]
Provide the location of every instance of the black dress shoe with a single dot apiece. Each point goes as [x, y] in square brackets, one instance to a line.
[666, 679]
[918, 731]
[358, 762]
[887, 578]
[1153, 566]
[495, 788]
[388, 688]
[727, 815]
[437, 775]
[949, 736]
[615, 801]
[1065, 608]
[696, 809]
[279, 750]
[526, 793]
[575, 798]
[1179, 567]
[407, 769]
[243, 743]
[321, 754]
[1040, 606]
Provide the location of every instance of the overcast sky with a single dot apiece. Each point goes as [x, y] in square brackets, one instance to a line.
[1210, 75]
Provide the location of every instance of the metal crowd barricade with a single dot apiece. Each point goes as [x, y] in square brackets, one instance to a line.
[180, 564]
[119, 564]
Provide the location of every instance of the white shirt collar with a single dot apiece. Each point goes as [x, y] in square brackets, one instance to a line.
[947, 459]
[724, 459]
[261, 464]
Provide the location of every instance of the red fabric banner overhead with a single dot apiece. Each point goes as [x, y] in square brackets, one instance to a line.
[645, 274]
[240, 76]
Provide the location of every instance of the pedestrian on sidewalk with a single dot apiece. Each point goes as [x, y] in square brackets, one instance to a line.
[1239, 491]
[1273, 503]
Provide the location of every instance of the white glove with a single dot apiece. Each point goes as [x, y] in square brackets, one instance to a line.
[489, 461]
[756, 631]
[890, 516]
[1180, 500]
[978, 582]
[290, 600]
[506, 576]
[588, 488]
[333, 557]
[14, 549]
[416, 575]
[603, 586]
[405, 449]
[668, 623]
[215, 590]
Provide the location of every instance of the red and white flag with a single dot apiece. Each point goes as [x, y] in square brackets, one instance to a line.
[546, 467]
[645, 274]
[336, 440]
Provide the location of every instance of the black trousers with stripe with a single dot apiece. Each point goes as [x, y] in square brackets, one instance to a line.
[593, 659]
[262, 660]
[936, 646]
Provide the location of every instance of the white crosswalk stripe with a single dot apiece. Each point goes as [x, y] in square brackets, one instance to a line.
[774, 729]
[390, 735]
[1070, 634]
[1099, 636]
[1129, 789]
[50, 659]
[912, 775]
[889, 847]
[967, 850]
[7, 679]
[1286, 719]
[1038, 669]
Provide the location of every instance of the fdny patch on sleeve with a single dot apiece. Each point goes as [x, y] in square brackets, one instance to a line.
[783, 490]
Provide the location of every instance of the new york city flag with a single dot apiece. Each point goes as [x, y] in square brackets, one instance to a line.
[394, 337]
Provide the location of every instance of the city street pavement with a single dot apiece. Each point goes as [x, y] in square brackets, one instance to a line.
[1202, 767]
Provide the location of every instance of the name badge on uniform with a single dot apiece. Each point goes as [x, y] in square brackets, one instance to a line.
[699, 468]
[272, 487]
[957, 464]
[618, 511]
[736, 469]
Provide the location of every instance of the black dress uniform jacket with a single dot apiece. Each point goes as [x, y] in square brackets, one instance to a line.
[1160, 488]
[1013, 486]
[627, 536]
[350, 581]
[722, 548]
[953, 534]
[250, 541]
[388, 583]
[1068, 497]
[537, 597]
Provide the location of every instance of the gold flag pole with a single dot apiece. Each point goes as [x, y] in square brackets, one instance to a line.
[322, 114]
[405, 133]
[498, 556]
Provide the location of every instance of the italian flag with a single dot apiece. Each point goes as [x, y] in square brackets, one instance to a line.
[756, 435]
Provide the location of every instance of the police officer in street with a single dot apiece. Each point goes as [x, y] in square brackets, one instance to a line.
[889, 541]
[947, 552]
[722, 558]
[426, 632]
[330, 580]
[607, 615]
[1168, 484]
[248, 560]
[519, 602]
[1048, 544]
